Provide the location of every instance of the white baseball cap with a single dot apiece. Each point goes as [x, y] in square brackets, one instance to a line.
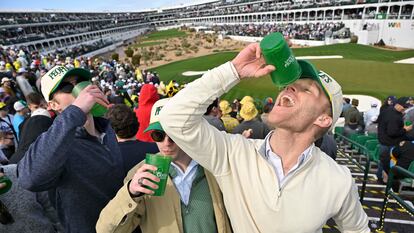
[19, 105]
[155, 115]
[51, 80]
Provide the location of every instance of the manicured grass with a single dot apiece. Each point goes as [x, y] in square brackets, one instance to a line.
[147, 44]
[161, 35]
[364, 70]
[355, 52]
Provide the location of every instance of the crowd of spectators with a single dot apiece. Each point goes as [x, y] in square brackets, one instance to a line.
[309, 31]
[50, 17]
[18, 35]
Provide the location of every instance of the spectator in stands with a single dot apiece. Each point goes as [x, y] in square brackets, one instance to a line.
[148, 96]
[371, 113]
[28, 211]
[190, 189]
[391, 129]
[345, 105]
[401, 155]
[6, 121]
[9, 89]
[213, 115]
[22, 112]
[229, 122]
[266, 110]
[78, 157]
[372, 128]
[125, 124]
[255, 176]
[328, 145]
[258, 129]
[235, 106]
[354, 115]
[31, 128]
[389, 102]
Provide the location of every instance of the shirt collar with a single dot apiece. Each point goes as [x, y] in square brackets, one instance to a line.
[302, 158]
[176, 170]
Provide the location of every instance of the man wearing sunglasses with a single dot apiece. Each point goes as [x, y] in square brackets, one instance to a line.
[282, 183]
[192, 201]
[77, 159]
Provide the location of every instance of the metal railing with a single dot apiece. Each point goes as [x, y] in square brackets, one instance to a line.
[364, 169]
[390, 193]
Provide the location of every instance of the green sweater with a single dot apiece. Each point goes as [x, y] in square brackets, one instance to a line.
[198, 215]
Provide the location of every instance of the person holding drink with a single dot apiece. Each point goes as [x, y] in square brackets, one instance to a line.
[282, 183]
[168, 193]
[77, 159]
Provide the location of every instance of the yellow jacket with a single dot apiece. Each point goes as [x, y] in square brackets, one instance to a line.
[155, 214]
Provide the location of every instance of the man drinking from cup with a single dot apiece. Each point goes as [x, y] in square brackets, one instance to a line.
[191, 201]
[282, 183]
[77, 159]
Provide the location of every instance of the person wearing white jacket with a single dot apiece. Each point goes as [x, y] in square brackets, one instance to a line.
[282, 183]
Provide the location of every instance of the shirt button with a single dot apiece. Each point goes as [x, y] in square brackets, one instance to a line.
[130, 205]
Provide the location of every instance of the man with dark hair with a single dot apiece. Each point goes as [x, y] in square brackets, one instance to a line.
[391, 130]
[31, 128]
[126, 125]
[213, 115]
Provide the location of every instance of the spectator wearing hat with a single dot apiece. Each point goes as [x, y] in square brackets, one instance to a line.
[22, 112]
[147, 97]
[258, 129]
[9, 89]
[267, 184]
[373, 112]
[6, 121]
[31, 128]
[77, 158]
[192, 201]
[125, 124]
[229, 122]
[391, 129]
[390, 101]
[354, 119]
[213, 116]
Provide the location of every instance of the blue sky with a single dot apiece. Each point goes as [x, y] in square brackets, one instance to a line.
[90, 5]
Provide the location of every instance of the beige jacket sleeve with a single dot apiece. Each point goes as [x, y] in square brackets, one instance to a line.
[123, 213]
[182, 120]
[351, 218]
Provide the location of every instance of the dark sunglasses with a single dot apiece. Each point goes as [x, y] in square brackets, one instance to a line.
[159, 136]
[64, 87]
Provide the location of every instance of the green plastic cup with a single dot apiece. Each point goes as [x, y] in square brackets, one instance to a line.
[408, 123]
[162, 163]
[97, 109]
[276, 52]
[7, 181]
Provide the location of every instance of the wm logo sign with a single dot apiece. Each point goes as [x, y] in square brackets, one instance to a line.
[394, 25]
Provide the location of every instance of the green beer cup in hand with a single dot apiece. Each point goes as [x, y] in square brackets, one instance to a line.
[97, 109]
[276, 52]
[163, 167]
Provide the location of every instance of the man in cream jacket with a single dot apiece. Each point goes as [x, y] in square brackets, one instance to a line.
[282, 183]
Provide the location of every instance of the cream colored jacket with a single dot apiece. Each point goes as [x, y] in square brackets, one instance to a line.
[318, 190]
[155, 214]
